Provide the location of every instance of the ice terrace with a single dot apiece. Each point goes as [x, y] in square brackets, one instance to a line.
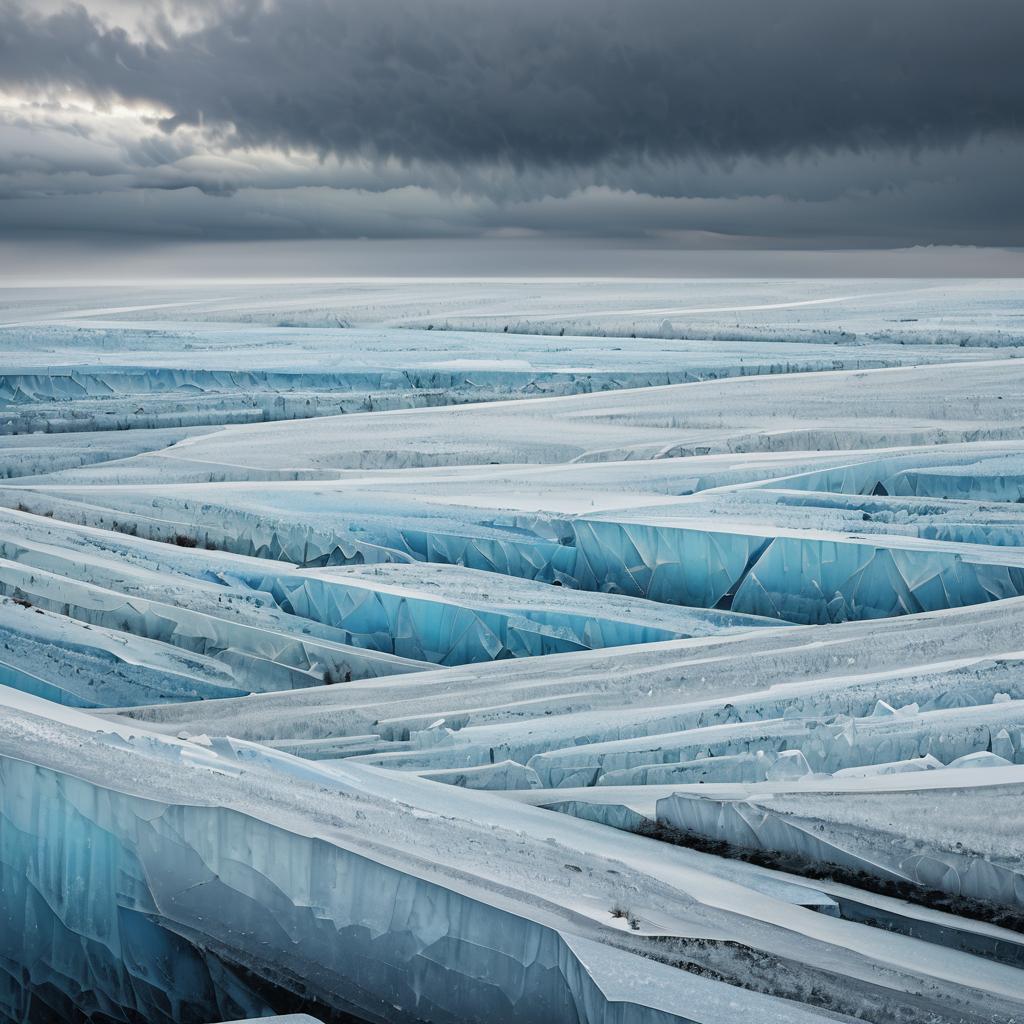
[258, 625]
[782, 547]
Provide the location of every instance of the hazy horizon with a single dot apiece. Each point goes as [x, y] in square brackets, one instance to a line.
[63, 262]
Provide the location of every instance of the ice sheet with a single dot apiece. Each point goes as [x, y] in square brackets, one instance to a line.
[512, 651]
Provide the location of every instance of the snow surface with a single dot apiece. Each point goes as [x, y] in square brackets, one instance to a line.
[512, 652]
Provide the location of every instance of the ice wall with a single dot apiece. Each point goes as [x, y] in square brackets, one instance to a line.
[737, 559]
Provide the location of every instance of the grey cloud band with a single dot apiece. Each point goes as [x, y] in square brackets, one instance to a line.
[570, 81]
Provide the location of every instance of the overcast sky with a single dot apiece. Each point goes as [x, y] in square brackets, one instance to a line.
[665, 124]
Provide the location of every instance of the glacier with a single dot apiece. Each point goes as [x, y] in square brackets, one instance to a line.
[468, 651]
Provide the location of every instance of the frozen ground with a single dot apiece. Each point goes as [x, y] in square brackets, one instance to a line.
[440, 651]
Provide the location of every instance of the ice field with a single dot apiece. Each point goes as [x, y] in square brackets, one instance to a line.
[512, 652]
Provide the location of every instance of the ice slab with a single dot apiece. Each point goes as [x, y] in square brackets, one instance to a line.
[810, 744]
[178, 598]
[72, 663]
[961, 313]
[102, 375]
[861, 409]
[953, 830]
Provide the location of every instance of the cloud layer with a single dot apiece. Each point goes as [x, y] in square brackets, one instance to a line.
[795, 122]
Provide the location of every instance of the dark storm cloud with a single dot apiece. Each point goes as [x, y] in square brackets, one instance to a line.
[556, 81]
[748, 123]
